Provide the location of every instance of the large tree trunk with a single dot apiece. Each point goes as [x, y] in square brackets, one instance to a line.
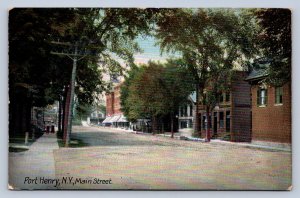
[172, 125]
[154, 125]
[26, 116]
[207, 139]
[16, 118]
[19, 112]
[59, 114]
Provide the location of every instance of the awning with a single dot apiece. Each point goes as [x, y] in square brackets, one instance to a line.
[115, 118]
[122, 119]
[107, 120]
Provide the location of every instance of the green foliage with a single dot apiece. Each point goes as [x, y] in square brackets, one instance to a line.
[276, 42]
[102, 108]
[29, 63]
[212, 42]
[108, 35]
[220, 83]
[129, 80]
[83, 111]
[155, 90]
[177, 82]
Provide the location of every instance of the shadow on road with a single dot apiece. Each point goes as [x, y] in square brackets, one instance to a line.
[114, 139]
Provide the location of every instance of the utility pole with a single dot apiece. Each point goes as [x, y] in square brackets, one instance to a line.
[71, 105]
[75, 56]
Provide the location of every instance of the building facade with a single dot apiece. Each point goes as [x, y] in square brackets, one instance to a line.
[96, 117]
[231, 117]
[186, 116]
[110, 104]
[271, 110]
[114, 115]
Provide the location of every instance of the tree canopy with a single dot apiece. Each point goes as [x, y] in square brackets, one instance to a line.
[106, 33]
[155, 89]
[209, 38]
[212, 42]
[105, 39]
[276, 42]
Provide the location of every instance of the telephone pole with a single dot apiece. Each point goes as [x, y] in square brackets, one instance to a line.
[75, 56]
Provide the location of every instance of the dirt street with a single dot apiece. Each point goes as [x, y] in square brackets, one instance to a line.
[116, 159]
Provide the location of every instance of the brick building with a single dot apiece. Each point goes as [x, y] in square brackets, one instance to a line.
[109, 104]
[114, 115]
[231, 118]
[271, 109]
[117, 100]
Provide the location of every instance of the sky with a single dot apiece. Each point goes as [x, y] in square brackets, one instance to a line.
[151, 51]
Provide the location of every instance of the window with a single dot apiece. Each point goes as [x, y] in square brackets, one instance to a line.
[278, 95]
[227, 97]
[191, 110]
[221, 119]
[262, 97]
[221, 98]
[181, 112]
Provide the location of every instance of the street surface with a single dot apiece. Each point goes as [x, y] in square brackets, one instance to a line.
[117, 159]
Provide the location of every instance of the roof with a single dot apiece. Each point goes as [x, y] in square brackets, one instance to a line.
[257, 73]
[115, 118]
[107, 120]
[260, 69]
[122, 119]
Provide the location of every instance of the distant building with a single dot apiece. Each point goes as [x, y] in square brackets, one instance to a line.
[109, 104]
[114, 115]
[186, 116]
[96, 117]
[271, 109]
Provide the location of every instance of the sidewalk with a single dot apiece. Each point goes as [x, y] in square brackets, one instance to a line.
[37, 162]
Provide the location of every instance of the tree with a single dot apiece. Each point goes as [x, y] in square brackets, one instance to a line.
[126, 105]
[29, 63]
[107, 34]
[155, 90]
[146, 97]
[210, 41]
[275, 40]
[177, 83]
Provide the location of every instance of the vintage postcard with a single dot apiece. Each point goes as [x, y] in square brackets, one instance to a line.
[150, 99]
